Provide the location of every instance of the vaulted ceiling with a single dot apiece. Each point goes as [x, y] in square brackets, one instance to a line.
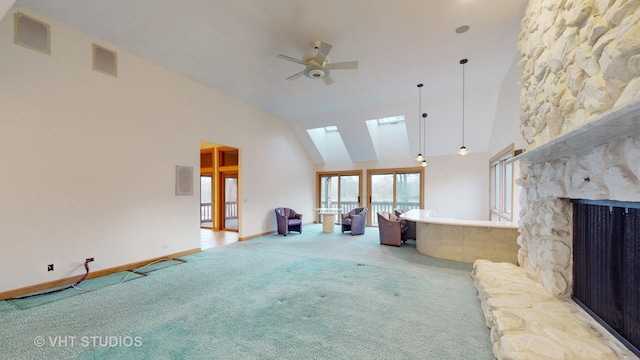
[231, 45]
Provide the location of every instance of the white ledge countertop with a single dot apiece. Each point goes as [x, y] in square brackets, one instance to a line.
[425, 216]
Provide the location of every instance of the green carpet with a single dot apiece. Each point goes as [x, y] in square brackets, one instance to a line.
[308, 296]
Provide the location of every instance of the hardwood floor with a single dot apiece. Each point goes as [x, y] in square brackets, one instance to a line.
[210, 239]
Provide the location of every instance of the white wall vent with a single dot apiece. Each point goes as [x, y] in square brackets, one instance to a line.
[105, 60]
[32, 33]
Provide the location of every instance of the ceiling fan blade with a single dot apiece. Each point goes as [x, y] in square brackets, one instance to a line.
[342, 65]
[289, 58]
[328, 80]
[323, 52]
[295, 76]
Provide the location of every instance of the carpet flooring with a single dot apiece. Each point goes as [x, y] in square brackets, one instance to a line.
[304, 296]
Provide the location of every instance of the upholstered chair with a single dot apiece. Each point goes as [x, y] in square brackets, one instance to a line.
[411, 225]
[354, 221]
[288, 220]
[392, 231]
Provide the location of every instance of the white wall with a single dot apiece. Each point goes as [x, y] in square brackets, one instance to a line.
[506, 126]
[89, 159]
[458, 186]
[455, 186]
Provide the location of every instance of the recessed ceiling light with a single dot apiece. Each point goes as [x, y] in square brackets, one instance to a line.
[462, 29]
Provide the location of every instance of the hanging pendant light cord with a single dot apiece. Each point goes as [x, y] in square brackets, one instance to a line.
[421, 123]
[420, 157]
[463, 149]
[463, 103]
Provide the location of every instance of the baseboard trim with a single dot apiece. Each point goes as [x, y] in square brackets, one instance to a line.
[256, 236]
[70, 280]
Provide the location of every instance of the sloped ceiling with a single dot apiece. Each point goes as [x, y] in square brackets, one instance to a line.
[231, 45]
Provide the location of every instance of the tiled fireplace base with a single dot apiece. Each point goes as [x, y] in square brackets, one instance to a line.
[529, 322]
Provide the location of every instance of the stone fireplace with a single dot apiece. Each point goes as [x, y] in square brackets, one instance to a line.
[580, 119]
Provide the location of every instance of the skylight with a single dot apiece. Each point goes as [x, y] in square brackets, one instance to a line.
[391, 120]
[328, 141]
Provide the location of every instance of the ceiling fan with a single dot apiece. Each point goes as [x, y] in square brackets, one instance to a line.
[318, 63]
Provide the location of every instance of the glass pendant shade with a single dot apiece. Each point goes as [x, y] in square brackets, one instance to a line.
[463, 150]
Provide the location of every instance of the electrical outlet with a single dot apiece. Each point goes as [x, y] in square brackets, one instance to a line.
[50, 267]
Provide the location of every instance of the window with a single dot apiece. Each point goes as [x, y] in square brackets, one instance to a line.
[391, 120]
[501, 185]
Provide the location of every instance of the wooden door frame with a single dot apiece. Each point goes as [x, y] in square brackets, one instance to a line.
[221, 171]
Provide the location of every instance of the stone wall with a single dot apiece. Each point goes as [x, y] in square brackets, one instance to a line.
[580, 59]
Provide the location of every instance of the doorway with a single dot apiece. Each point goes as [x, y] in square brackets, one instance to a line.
[227, 206]
[229, 189]
[220, 212]
[206, 201]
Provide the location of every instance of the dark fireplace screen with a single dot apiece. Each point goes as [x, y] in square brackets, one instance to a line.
[606, 265]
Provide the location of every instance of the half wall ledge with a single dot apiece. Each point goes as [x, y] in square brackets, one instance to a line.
[464, 240]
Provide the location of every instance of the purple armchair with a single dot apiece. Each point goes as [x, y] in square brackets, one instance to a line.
[392, 231]
[288, 220]
[411, 225]
[355, 221]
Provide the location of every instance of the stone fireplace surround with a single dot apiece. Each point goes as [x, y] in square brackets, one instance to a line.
[528, 307]
[580, 119]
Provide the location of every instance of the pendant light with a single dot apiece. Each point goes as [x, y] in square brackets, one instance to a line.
[420, 157]
[424, 143]
[463, 149]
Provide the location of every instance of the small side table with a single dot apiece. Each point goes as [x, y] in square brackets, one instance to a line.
[328, 218]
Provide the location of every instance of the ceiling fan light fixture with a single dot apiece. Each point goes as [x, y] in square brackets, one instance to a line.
[318, 63]
[315, 72]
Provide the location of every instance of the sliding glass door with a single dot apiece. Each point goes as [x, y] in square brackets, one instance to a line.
[339, 190]
[394, 188]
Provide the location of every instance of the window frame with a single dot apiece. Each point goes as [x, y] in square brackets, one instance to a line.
[502, 158]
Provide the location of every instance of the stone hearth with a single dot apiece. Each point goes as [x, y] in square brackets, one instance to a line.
[529, 322]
